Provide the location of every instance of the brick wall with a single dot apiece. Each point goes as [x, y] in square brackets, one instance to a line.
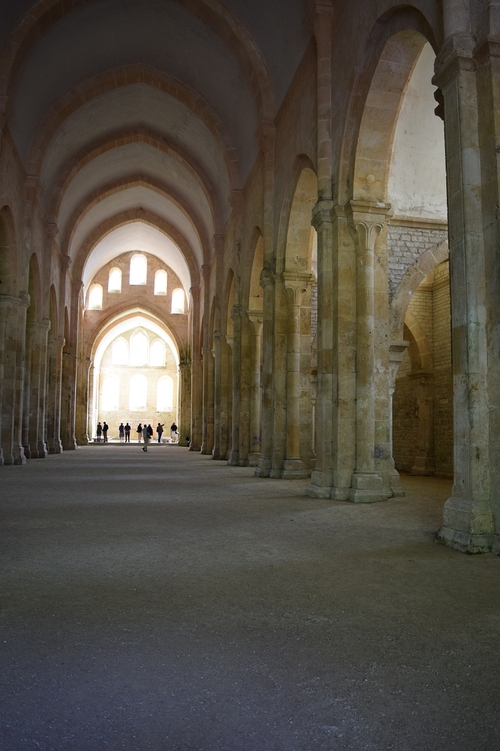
[404, 247]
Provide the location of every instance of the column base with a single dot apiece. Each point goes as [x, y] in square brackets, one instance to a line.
[56, 448]
[253, 459]
[467, 526]
[263, 467]
[294, 469]
[321, 484]
[233, 459]
[367, 488]
[395, 483]
[495, 548]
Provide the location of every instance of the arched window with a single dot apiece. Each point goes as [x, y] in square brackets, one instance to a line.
[138, 396]
[161, 282]
[165, 398]
[119, 352]
[157, 354]
[138, 269]
[139, 349]
[95, 297]
[110, 393]
[178, 301]
[115, 280]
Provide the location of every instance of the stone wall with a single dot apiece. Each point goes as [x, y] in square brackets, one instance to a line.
[405, 244]
[430, 309]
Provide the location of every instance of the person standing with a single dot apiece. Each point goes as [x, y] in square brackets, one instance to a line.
[159, 430]
[139, 433]
[105, 429]
[99, 432]
[127, 433]
[146, 436]
[173, 432]
[121, 432]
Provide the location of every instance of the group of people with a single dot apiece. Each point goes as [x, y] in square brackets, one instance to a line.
[144, 433]
[102, 432]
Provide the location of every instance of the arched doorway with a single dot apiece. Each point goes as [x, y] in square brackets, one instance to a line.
[134, 375]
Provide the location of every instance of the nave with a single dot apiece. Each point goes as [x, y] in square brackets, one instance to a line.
[169, 602]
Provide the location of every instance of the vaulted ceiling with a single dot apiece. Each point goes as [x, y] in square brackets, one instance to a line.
[150, 113]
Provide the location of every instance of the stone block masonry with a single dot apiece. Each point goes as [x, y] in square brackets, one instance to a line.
[405, 244]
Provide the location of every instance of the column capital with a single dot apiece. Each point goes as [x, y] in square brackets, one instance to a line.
[322, 213]
[266, 278]
[10, 301]
[366, 221]
[255, 316]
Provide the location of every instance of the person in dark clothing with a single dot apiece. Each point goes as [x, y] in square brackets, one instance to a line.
[105, 429]
[159, 430]
[121, 432]
[127, 433]
[99, 432]
[139, 432]
[173, 432]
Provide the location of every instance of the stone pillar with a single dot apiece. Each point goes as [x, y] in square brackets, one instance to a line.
[322, 478]
[54, 377]
[296, 287]
[12, 350]
[27, 406]
[246, 382]
[235, 387]
[37, 398]
[367, 221]
[279, 378]
[185, 420]
[487, 57]
[195, 430]
[256, 390]
[216, 453]
[396, 354]
[68, 399]
[265, 459]
[82, 400]
[208, 400]
[467, 517]
[92, 403]
[423, 384]
[226, 396]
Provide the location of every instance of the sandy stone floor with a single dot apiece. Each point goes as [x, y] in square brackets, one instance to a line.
[165, 601]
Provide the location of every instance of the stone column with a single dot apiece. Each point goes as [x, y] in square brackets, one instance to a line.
[54, 396]
[423, 384]
[280, 347]
[195, 430]
[185, 420]
[366, 222]
[12, 350]
[467, 517]
[38, 387]
[226, 396]
[68, 399]
[296, 287]
[208, 399]
[256, 390]
[27, 405]
[265, 459]
[487, 55]
[246, 379]
[322, 478]
[82, 400]
[396, 354]
[235, 387]
[216, 453]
